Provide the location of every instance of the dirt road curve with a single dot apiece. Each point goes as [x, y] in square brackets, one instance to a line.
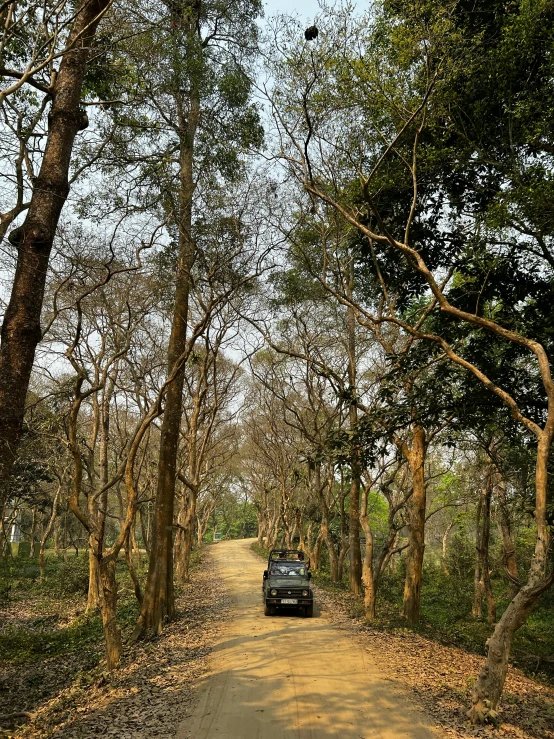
[287, 677]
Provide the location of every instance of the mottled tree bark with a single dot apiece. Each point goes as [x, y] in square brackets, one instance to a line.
[184, 537]
[367, 569]
[416, 526]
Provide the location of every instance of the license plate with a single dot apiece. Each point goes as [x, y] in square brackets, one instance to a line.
[289, 601]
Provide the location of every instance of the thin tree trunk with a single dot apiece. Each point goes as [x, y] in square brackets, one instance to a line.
[477, 607]
[367, 567]
[33, 534]
[144, 530]
[324, 528]
[344, 546]
[93, 597]
[482, 584]
[46, 533]
[186, 518]
[416, 527]
[300, 529]
[261, 530]
[132, 571]
[21, 330]
[112, 632]
[57, 536]
[315, 558]
[505, 525]
[444, 545]
[485, 539]
[134, 543]
[355, 572]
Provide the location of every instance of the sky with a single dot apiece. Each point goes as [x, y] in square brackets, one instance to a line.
[306, 8]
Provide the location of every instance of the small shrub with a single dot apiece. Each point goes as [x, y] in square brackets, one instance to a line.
[70, 577]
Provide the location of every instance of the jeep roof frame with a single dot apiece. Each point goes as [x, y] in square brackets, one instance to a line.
[305, 560]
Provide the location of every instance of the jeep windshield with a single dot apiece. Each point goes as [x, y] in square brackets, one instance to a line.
[289, 569]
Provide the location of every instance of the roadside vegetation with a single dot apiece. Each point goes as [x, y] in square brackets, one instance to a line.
[446, 604]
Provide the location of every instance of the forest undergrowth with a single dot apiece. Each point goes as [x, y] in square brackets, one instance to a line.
[53, 681]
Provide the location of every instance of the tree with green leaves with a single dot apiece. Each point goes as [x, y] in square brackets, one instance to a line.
[425, 137]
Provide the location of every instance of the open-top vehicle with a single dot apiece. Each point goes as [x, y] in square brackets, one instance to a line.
[286, 583]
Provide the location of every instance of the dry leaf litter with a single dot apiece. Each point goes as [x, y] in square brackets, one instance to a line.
[440, 678]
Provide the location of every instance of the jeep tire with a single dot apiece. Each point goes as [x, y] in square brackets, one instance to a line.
[309, 610]
[268, 610]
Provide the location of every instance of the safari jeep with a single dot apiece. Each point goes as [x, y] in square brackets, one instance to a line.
[286, 583]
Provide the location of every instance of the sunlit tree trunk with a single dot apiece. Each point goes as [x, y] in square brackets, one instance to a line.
[367, 565]
[158, 603]
[108, 609]
[416, 526]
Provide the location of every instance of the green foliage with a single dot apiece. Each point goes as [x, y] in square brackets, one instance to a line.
[70, 577]
[460, 558]
[45, 639]
[59, 625]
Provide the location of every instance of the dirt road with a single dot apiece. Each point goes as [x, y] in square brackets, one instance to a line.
[287, 677]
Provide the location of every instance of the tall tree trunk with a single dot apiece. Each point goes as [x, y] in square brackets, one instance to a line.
[300, 528]
[21, 329]
[416, 527]
[158, 604]
[355, 572]
[145, 531]
[57, 536]
[315, 557]
[485, 539]
[132, 571]
[344, 546]
[324, 528]
[134, 543]
[330, 544]
[261, 529]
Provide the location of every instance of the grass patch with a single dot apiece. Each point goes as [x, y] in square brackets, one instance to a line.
[47, 620]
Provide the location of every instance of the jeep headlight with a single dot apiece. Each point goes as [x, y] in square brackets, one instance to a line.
[273, 592]
[305, 593]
